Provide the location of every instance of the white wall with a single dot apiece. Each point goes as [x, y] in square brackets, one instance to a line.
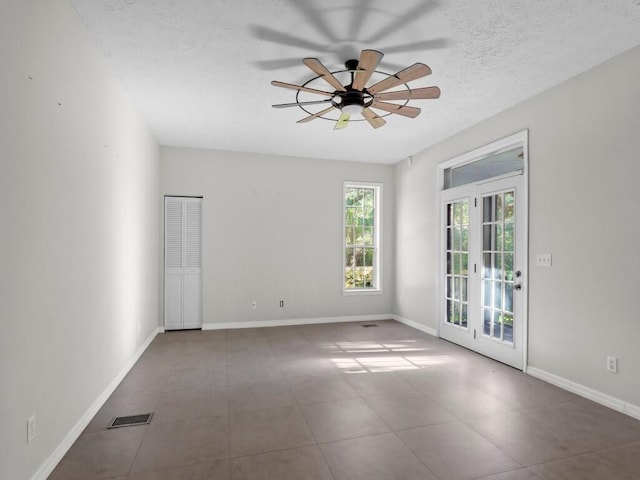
[79, 217]
[272, 231]
[584, 170]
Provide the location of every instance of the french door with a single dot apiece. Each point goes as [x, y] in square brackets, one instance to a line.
[483, 260]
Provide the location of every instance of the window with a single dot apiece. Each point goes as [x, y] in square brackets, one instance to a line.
[361, 237]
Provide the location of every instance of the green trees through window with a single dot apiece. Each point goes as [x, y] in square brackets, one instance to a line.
[360, 236]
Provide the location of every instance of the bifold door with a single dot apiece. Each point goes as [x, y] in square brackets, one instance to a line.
[183, 263]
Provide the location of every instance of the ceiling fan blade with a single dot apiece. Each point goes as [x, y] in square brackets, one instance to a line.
[372, 117]
[276, 83]
[432, 44]
[369, 60]
[415, 71]
[343, 121]
[270, 35]
[427, 92]
[404, 110]
[318, 68]
[411, 15]
[316, 115]
[300, 104]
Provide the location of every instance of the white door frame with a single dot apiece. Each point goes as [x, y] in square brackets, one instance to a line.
[518, 139]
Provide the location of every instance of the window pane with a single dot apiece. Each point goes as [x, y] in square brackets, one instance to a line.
[508, 237]
[464, 316]
[486, 287]
[465, 239]
[368, 277]
[487, 322]
[486, 265]
[487, 210]
[497, 295]
[508, 266]
[359, 257]
[493, 165]
[509, 207]
[508, 297]
[348, 257]
[349, 235]
[368, 256]
[367, 238]
[497, 325]
[486, 237]
[497, 266]
[508, 327]
[348, 277]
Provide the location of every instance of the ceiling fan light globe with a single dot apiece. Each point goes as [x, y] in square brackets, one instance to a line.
[352, 109]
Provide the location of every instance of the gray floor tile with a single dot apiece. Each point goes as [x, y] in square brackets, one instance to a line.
[305, 463]
[326, 388]
[377, 457]
[584, 426]
[583, 467]
[260, 396]
[343, 419]
[181, 443]
[99, 455]
[525, 439]
[268, 430]
[453, 451]
[188, 404]
[626, 456]
[218, 470]
[406, 409]
[367, 384]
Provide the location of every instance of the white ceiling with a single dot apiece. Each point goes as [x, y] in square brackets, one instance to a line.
[200, 70]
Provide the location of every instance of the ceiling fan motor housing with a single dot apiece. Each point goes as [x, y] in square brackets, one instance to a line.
[352, 101]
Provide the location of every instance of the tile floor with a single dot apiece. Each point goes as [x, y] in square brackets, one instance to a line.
[344, 402]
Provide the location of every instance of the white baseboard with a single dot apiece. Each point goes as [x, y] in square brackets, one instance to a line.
[586, 392]
[416, 325]
[47, 467]
[295, 321]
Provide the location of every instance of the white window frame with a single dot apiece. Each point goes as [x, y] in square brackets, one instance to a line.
[377, 239]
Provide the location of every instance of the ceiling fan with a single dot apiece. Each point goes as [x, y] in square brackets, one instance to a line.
[356, 97]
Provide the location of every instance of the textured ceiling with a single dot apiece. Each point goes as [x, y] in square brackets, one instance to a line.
[200, 70]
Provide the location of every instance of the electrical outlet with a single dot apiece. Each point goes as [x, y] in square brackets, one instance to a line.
[543, 260]
[31, 428]
[612, 364]
[254, 304]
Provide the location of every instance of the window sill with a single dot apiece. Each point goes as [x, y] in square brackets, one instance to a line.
[369, 291]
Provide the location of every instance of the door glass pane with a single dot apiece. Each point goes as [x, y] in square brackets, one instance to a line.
[457, 255]
[497, 269]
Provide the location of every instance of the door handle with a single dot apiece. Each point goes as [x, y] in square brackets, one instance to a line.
[518, 286]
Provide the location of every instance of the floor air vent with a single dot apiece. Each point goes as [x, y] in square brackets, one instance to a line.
[367, 325]
[131, 420]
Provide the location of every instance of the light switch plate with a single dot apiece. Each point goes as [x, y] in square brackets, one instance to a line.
[543, 260]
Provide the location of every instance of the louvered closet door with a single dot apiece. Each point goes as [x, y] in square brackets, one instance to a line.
[183, 258]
